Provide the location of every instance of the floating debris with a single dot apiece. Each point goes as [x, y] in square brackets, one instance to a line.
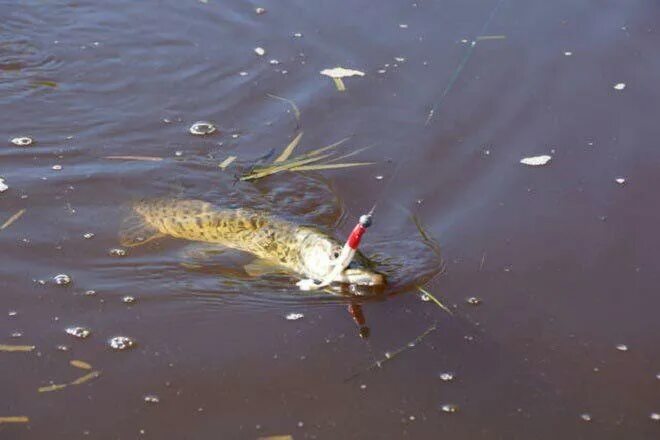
[447, 377]
[62, 279]
[297, 35]
[225, 163]
[57, 167]
[260, 11]
[80, 364]
[63, 347]
[53, 387]
[403, 26]
[655, 417]
[302, 162]
[78, 332]
[449, 408]
[121, 343]
[568, 53]
[260, 51]
[491, 37]
[337, 73]
[142, 158]
[620, 180]
[86, 378]
[23, 141]
[14, 419]
[276, 437]
[620, 86]
[622, 347]
[294, 107]
[294, 316]
[202, 128]
[117, 252]
[288, 150]
[434, 299]
[90, 292]
[16, 348]
[88, 235]
[536, 161]
[3, 186]
[12, 219]
[128, 299]
[274, 62]
[474, 301]
[151, 398]
[586, 417]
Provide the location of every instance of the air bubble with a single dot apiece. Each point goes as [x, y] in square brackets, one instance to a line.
[447, 376]
[474, 301]
[62, 279]
[151, 399]
[79, 332]
[121, 343]
[202, 128]
[117, 252]
[22, 141]
[449, 408]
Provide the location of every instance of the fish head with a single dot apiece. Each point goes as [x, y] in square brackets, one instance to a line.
[319, 254]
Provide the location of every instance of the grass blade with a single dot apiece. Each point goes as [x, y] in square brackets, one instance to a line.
[330, 166]
[142, 158]
[352, 153]
[86, 378]
[289, 149]
[293, 105]
[435, 300]
[225, 163]
[80, 364]
[14, 348]
[14, 419]
[53, 387]
[267, 171]
[428, 240]
[12, 219]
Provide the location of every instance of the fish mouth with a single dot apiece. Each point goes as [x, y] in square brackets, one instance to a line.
[361, 277]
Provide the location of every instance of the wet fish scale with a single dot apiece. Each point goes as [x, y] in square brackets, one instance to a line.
[300, 249]
[243, 229]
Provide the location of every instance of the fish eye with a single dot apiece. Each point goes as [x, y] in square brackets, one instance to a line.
[336, 254]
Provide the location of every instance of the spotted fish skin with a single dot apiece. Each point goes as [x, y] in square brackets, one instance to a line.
[251, 231]
[303, 250]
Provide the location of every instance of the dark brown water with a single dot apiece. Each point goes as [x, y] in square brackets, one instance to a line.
[563, 257]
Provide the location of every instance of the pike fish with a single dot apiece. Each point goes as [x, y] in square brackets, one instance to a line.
[279, 245]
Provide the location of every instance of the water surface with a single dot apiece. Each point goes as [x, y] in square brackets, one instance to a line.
[563, 257]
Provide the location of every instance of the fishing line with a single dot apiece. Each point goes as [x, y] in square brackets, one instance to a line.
[344, 258]
[450, 84]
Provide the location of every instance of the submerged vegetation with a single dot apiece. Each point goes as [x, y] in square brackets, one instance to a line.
[324, 158]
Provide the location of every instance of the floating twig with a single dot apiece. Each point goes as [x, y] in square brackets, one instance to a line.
[20, 348]
[391, 355]
[80, 364]
[293, 105]
[14, 419]
[12, 219]
[491, 37]
[142, 158]
[225, 163]
[435, 300]
[289, 149]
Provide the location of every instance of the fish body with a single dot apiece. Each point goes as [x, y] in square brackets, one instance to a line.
[303, 250]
